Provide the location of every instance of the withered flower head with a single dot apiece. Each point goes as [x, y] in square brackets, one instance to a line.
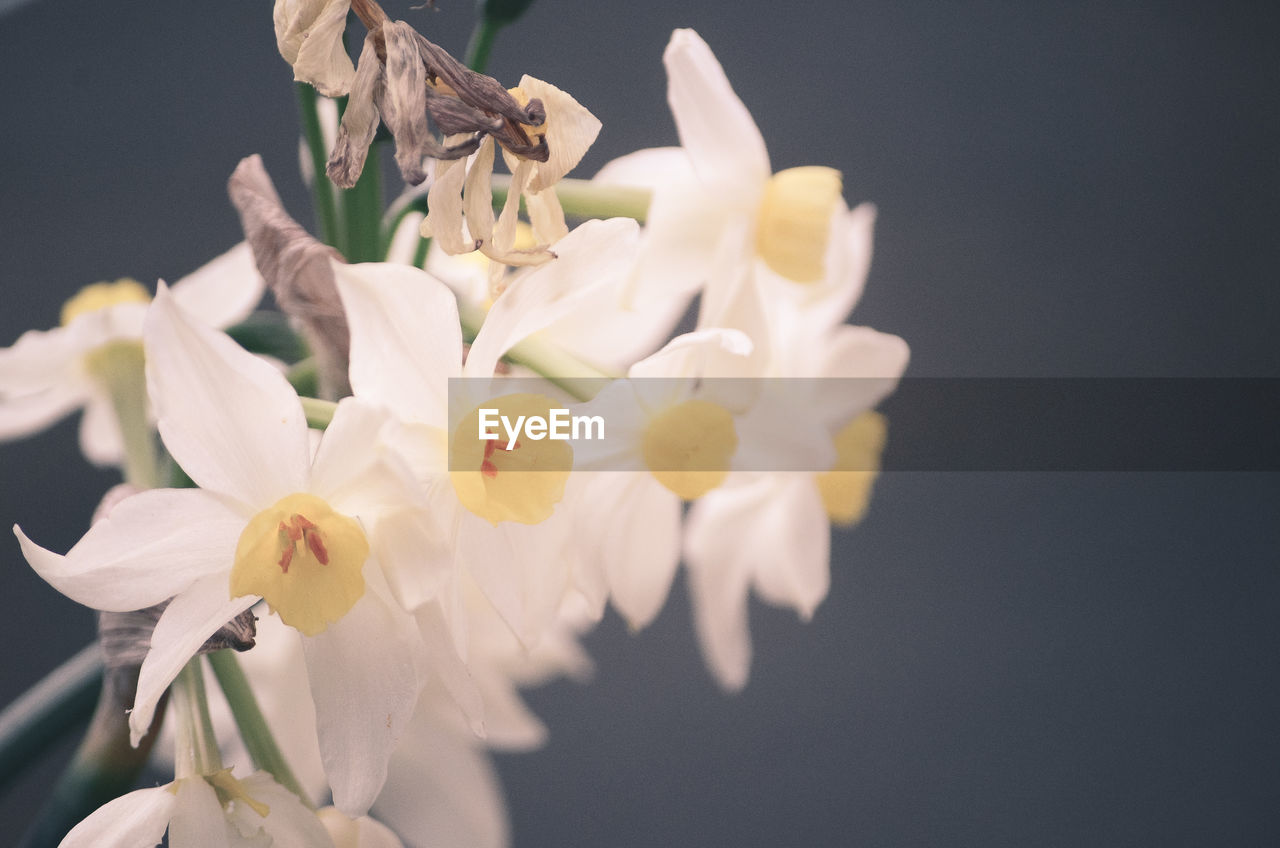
[404, 80]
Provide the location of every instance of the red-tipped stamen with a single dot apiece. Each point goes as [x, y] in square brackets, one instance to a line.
[316, 544]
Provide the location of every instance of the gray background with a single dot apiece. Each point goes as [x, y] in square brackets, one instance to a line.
[1065, 189]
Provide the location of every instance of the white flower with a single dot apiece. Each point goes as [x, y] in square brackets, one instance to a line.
[48, 374]
[441, 787]
[203, 811]
[309, 36]
[505, 529]
[671, 439]
[268, 522]
[718, 209]
[362, 832]
[770, 531]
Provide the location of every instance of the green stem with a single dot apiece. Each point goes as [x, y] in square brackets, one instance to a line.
[304, 376]
[578, 198]
[104, 767]
[41, 715]
[253, 726]
[322, 190]
[362, 212]
[319, 412]
[589, 199]
[196, 747]
[420, 252]
[551, 363]
[481, 43]
[118, 367]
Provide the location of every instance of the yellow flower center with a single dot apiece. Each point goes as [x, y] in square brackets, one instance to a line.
[687, 447]
[304, 559]
[846, 488]
[793, 224]
[102, 295]
[517, 476]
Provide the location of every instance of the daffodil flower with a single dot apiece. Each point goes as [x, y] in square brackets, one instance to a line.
[203, 811]
[312, 537]
[97, 352]
[717, 202]
[505, 527]
[771, 531]
[673, 440]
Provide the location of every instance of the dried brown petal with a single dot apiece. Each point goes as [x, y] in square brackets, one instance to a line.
[296, 267]
[359, 121]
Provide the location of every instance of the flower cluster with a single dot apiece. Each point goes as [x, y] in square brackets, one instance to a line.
[410, 577]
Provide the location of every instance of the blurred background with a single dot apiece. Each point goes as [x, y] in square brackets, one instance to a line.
[1078, 189]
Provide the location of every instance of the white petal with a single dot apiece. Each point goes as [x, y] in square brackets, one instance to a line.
[198, 818]
[364, 680]
[499, 245]
[718, 585]
[289, 823]
[41, 359]
[416, 556]
[789, 546]
[682, 231]
[363, 832]
[150, 547]
[690, 355]
[521, 568]
[590, 257]
[442, 790]
[571, 129]
[546, 215]
[100, 439]
[848, 261]
[136, 820]
[508, 723]
[354, 472]
[639, 525]
[26, 414]
[477, 193]
[405, 338]
[868, 363]
[309, 36]
[224, 290]
[651, 168]
[714, 126]
[189, 620]
[230, 419]
[445, 663]
[444, 208]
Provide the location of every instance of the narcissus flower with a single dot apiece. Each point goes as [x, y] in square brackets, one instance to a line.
[673, 440]
[717, 205]
[504, 525]
[771, 531]
[94, 360]
[312, 537]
